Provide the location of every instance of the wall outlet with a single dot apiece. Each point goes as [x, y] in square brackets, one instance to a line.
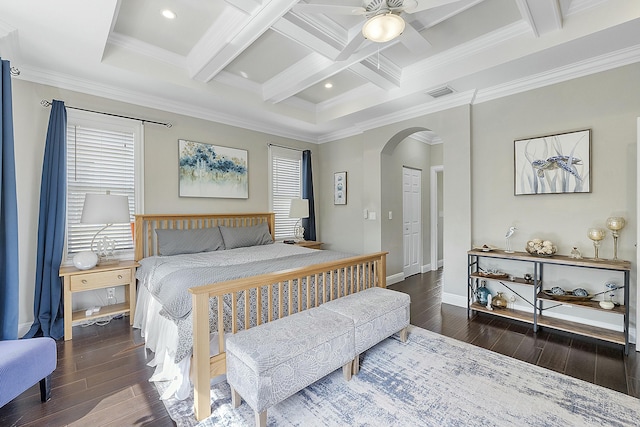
[111, 292]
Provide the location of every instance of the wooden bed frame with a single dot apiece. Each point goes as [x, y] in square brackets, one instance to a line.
[338, 278]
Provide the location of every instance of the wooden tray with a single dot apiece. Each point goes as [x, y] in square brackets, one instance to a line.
[493, 275]
[567, 296]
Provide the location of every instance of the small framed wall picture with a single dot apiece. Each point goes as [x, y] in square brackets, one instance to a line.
[340, 188]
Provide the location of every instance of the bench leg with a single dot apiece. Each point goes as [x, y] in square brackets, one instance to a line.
[261, 418]
[403, 334]
[236, 400]
[45, 388]
[347, 369]
[356, 365]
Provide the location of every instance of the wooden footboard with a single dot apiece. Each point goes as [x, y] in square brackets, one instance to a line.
[315, 284]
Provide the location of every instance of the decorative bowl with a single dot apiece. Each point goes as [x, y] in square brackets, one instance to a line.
[539, 247]
[568, 296]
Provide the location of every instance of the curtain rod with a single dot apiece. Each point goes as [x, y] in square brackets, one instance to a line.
[282, 146]
[46, 103]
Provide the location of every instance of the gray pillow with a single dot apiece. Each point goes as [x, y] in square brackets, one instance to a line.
[175, 242]
[240, 237]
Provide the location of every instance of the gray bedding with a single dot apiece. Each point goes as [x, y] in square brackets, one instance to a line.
[169, 278]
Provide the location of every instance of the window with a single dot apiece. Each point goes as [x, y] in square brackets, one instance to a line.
[103, 154]
[286, 179]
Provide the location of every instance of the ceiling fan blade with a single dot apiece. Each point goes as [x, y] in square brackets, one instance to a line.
[329, 9]
[414, 41]
[351, 47]
[413, 6]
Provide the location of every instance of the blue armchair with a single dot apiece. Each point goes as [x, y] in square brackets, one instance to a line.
[23, 363]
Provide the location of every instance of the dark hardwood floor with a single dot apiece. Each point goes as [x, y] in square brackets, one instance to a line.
[102, 377]
[599, 363]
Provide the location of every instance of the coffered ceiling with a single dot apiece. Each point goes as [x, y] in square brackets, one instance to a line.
[266, 64]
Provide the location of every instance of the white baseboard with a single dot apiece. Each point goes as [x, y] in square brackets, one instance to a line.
[440, 263]
[395, 278]
[425, 268]
[453, 299]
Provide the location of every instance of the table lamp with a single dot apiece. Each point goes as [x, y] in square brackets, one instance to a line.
[105, 209]
[299, 208]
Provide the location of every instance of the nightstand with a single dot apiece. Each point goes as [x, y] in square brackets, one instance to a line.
[311, 244]
[99, 277]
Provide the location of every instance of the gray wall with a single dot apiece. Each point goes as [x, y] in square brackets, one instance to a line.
[478, 191]
[479, 202]
[161, 176]
[365, 161]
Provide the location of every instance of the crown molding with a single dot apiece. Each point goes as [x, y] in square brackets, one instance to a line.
[463, 98]
[464, 50]
[282, 128]
[598, 64]
[147, 50]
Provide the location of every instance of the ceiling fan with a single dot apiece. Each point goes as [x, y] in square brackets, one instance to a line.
[383, 21]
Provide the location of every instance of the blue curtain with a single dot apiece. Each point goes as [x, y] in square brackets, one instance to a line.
[8, 214]
[47, 306]
[309, 224]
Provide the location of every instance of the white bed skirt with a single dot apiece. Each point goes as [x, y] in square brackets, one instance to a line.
[161, 337]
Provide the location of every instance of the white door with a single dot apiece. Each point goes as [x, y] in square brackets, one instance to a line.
[411, 220]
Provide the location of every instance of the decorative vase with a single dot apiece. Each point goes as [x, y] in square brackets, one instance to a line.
[499, 301]
[482, 294]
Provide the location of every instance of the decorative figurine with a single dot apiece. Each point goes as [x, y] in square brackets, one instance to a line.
[508, 239]
[575, 253]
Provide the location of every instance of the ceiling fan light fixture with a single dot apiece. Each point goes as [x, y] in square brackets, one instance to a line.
[384, 27]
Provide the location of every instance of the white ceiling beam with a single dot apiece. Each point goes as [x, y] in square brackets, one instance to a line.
[302, 31]
[312, 69]
[307, 35]
[378, 76]
[247, 6]
[543, 16]
[230, 35]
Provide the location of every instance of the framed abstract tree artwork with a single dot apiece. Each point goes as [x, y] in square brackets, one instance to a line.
[207, 170]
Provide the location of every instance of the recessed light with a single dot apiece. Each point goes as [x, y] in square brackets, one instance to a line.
[169, 14]
[328, 85]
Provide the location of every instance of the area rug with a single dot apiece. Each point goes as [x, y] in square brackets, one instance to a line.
[431, 380]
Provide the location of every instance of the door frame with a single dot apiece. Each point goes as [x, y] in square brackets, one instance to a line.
[434, 214]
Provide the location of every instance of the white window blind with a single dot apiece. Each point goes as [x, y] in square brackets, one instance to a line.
[99, 159]
[286, 179]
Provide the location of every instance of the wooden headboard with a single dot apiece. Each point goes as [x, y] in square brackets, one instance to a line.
[145, 241]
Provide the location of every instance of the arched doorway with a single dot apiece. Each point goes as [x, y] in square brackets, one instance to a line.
[411, 149]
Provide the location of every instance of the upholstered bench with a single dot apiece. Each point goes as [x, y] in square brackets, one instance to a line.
[268, 363]
[23, 363]
[377, 313]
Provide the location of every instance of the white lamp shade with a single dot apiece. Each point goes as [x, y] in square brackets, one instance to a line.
[382, 28]
[299, 208]
[105, 209]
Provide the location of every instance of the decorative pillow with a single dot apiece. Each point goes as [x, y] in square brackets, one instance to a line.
[240, 237]
[175, 242]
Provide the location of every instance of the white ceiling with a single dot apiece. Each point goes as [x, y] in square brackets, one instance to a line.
[262, 64]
